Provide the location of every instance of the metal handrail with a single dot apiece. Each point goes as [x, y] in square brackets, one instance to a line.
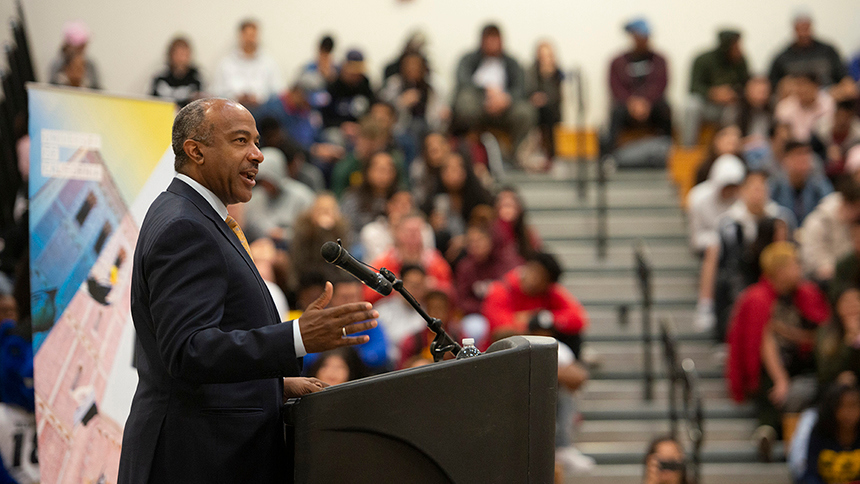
[684, 374]
[644, 273]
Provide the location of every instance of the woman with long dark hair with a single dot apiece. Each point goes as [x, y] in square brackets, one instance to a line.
[833, 454]
[456, 195]
[365, 202]
[665, 462]
[511, 226]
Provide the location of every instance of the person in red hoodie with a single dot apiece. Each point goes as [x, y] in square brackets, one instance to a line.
[532, 292]
[772, 337]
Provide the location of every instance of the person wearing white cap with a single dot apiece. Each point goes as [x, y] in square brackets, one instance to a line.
[808, 55]
[708, 201]
[76, 36]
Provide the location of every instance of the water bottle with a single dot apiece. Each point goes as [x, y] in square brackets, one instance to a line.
[469, 350]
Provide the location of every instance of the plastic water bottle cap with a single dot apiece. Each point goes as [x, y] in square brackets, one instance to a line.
[468, 341]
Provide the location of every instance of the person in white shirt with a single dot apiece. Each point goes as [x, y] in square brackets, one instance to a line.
[246, 75]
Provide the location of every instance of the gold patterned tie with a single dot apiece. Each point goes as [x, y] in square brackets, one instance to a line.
[234, 226]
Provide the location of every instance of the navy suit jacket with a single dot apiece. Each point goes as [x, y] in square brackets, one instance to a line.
[211, 353]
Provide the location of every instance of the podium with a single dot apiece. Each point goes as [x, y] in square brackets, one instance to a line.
[487, 419]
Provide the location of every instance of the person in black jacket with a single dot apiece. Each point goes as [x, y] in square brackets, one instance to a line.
[180, 80]
[212, 352]
[491, 90]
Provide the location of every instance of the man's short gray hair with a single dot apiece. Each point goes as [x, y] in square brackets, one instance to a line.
[190, 123]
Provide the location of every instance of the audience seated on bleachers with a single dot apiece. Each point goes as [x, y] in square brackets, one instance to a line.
[543, 85]
[805, 107]
[709, 200]
[293, 113]
[277, 200]
[770, 230]
[532, 292]
[490, 90]
[246, 74]
[721, 279]
[716, 84]
[833, 454]
[637, 81]
[365, 202]
[806, 55]
[180, 80]
[76, 36]
[318, 73]
[400, 142]
[824, 235]
[772, 337]
[800, 187]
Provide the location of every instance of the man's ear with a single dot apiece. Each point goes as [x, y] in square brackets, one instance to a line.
[192, 149]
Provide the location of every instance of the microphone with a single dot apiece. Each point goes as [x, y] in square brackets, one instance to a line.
[335, 254]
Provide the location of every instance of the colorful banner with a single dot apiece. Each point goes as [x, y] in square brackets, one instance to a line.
[96, 163]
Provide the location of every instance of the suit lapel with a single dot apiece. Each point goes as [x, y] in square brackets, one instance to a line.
[182, 189]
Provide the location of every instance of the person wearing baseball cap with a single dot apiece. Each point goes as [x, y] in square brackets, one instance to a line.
[76, 37]
[637, 81]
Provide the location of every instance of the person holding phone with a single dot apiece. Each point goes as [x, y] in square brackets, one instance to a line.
[665, 462]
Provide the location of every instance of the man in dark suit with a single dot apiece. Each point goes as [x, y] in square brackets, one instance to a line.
[212, 353]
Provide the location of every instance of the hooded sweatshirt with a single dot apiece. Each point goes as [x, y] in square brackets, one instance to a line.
[705, 203]
[714, 68]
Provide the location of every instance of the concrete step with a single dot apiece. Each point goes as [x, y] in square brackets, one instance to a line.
[621, 358]
[727, 451]
[712, 473]
[717, 408]
[623, 288]
[604, 323]
[632, 389]
[620, 257]
[649, 195]
[644, 430]
[556, 225]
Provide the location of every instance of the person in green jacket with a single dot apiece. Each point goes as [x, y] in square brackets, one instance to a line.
[716, 85]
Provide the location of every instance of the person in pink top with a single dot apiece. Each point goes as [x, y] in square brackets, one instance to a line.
[805, 107]
[529, 293]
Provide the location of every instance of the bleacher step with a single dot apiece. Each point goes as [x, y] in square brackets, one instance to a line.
[712, 473]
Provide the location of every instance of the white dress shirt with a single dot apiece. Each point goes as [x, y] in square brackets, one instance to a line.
[239, 74]
[221, 209]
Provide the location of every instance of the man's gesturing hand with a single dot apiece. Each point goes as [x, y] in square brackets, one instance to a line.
[323, 328]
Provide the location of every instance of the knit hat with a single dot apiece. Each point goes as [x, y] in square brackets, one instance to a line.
[75, 33]
[775, 256]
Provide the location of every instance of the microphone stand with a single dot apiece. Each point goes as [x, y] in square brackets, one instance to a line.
[442, 343]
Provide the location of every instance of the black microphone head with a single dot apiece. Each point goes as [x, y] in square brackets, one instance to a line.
[331, 251]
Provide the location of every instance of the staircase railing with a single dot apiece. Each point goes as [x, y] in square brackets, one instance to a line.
[644, 278]
[683, 374]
